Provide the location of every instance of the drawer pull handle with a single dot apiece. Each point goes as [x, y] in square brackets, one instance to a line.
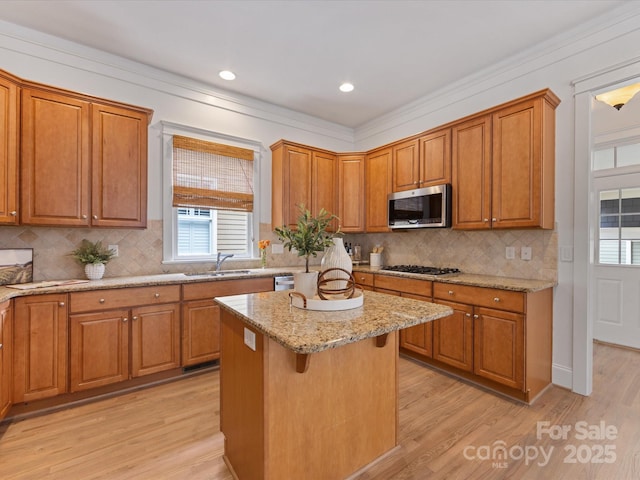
[450, 292]
[101, 300]
[496, 299]
[124, 319]
[61, 304]
[157, 295]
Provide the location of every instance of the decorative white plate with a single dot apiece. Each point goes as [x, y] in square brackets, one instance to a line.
[316, 303]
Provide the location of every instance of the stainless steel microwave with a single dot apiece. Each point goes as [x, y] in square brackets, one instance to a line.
[427, 207]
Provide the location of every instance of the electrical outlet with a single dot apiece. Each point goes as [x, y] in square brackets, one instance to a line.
[250, 339]
[510, 253]
[566, 254]
[525, 253]
[114, 248]
[277, 248]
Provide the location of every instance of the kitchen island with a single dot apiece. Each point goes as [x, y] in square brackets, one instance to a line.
[309, 394]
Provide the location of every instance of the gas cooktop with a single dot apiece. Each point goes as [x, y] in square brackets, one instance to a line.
[421, 269]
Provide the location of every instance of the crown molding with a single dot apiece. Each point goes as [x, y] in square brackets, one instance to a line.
[51, 49]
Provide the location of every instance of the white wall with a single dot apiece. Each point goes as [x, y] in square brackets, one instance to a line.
[612, 40]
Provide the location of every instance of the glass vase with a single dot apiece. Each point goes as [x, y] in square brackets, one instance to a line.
[263, 258]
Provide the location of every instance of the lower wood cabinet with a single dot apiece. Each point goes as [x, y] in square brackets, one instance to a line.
[201, 315]
[6, 358]
[453, 337]
[40, 347]
[113, 345]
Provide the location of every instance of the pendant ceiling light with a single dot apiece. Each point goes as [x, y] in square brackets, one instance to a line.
[617, 98]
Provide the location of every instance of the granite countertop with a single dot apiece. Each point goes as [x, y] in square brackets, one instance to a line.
[308, 331]
[471, 279]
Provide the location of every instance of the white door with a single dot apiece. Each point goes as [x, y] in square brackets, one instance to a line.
[616, 259]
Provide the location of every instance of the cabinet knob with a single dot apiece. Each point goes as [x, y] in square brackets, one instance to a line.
[450, 292]
[157, 295]
[84, 217]
[134, 318]
[95, 217]
[467, 314]
[101, 300]
[475, 316]
[0, 346]
[496, 299]
[494, 219]
[14, 213]
[124, 319]
[485, 219]
[61, 304]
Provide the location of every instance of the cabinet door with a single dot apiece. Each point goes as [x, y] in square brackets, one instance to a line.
[499, 346]
[40, 347]
[99, 349]
[351, 192]
[378, 186]
[518, 190]
[155, 339]
[9, 124]
[418, 339]
[471, 173]
[435, 158]
[324, 172]
[119, 167]
[453, 337]
[296, 183]
[6, 358]
[406, 166]
[200, 332]
[55, 148]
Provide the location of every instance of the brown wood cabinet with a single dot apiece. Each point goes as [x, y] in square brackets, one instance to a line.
[145, 329]
[406, 165]
[9, 121]
[418, 339]
[201, 315]
[379, 178]
[435, 158]
[6, 358]
[40, 347]
[351, 192]
[83, 163]
[503, 166]
[453, 337]
[512, 337]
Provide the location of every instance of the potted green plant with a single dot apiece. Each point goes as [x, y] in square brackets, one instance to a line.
[309, 237]
[94, 256]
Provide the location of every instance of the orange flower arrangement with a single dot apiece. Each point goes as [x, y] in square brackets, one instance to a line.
[262, 246]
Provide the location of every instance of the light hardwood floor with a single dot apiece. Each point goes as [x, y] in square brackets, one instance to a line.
[172, 432]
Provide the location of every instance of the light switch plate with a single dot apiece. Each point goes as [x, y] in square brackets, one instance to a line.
[525, 253]
[510, 253]
[250, 339]
[566, 254]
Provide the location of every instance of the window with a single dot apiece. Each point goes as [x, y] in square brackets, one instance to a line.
[210, 207]
[616, 156]
[619, 233]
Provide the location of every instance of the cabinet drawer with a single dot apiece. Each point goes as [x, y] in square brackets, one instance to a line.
[363, 278]
[405, 285]
[480, 296]
[123, 298]
[220, 288]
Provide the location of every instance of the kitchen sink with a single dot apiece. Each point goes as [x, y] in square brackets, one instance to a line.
[221, 273]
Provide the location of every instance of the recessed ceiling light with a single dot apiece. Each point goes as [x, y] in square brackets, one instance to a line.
[346, 87]
[227, 75]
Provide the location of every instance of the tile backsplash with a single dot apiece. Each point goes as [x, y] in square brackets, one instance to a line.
[140, 251]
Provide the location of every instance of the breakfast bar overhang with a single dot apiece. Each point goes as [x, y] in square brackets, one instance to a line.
[311, 394]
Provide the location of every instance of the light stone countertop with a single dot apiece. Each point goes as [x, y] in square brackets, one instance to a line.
[471, 279]
[308, 331]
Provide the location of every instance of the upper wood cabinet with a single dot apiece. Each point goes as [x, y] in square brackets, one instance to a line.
[301, 176]
[351, 192]
[83, 163]
[406, 165]
[503, 166]
[9, 121]
[435, 158]
[379, 179]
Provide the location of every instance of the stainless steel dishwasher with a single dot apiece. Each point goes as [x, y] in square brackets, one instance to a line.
[284, 282]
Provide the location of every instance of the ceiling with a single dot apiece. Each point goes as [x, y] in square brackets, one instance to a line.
[296, 53]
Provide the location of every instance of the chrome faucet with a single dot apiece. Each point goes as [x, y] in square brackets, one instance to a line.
[221, 258]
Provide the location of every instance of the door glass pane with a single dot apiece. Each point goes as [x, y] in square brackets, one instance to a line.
[619, 232]
[603, 159]
[628, 155]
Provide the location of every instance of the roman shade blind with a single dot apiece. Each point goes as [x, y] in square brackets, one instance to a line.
[211, 175]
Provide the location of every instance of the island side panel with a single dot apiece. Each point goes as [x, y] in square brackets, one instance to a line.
[241, 399]
[337, 417]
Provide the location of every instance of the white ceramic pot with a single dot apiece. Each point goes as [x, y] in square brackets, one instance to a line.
[94, 271]
[306, 283]
[336, 256]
